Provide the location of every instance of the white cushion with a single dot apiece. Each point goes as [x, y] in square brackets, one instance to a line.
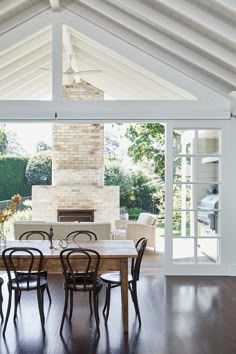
[146, 219]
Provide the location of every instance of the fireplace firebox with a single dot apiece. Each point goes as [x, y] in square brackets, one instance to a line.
[68, 215]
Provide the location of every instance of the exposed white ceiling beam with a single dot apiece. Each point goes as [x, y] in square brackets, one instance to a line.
[167, 43]
[12, 54]
[191, 36]
[121, 78]
[95, 111]
[143, 53]
[10, 21]
[57, 62]
[27, 81]
[26, 60]
[129, 68]
[121, 62]
[19, 74]
[55, 5]
[34, 90]
[195, 14]
[22, 31]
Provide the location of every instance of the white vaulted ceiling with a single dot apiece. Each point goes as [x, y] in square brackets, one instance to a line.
[190, 46]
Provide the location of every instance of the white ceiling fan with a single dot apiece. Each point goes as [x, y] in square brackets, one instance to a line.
[70, 75]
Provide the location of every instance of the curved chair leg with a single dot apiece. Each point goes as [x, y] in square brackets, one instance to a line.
[106, 308]
[71, 304]
[40, 306]
[17, 299]
[90, 302]
[8, 310]
[64, 311]
[1, 299]
[49, 295]
[105, 303]
[95, 306]
[135, 300]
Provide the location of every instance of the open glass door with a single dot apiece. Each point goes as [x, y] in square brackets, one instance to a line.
[194, 199]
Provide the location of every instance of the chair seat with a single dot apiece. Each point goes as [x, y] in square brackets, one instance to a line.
[25, 282]
[77, 281]
[79, 285]
[114, 278]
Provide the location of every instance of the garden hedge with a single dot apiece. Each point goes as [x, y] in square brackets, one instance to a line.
[12, 177]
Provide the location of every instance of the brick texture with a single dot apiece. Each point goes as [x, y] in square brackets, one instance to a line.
[77, 168]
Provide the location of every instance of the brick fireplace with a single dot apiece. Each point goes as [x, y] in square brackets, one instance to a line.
[77, 172]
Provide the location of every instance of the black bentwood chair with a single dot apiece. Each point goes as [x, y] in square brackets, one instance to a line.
[1, 297]
[113, 280]
[38, 235]
[80, 275]
[30, 280]
[82, 235]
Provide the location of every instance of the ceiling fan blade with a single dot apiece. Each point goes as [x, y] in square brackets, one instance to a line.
[88, 72]
[45, 69]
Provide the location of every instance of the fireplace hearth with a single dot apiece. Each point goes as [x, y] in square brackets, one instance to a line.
[66, 215]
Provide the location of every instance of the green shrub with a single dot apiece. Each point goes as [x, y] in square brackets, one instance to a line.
[12, 177]
[134, 213]
[39, 168]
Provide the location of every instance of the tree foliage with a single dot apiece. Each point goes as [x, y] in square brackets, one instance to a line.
[148, 144]
[3, 141]
[115, 176]
[136, 189]
[39, 168]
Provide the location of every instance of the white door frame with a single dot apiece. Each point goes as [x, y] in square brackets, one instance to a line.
[223, 267]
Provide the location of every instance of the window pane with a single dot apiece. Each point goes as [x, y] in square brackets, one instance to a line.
[208, 169]
[183, 250]
[208, 223]
[208, 250]
[183, 142]
[183, 223]
[208, 141]
[183, 196]
[208, 196]
[183, 169]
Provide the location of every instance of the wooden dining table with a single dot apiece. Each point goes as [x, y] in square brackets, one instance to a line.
[114, 256]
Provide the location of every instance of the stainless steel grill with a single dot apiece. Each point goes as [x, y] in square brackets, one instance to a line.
[208, 211]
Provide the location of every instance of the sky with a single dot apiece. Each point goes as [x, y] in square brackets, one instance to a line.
[31, 133]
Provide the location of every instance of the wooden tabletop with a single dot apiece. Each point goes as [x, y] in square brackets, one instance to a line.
[106, 248]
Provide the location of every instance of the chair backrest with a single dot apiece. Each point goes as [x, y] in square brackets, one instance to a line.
[82, 235]
[147, 219]
[136, 263]
[84, 271]
[33, 260]
[34, 235]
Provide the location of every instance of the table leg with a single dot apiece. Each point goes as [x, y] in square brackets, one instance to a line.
[124, 293]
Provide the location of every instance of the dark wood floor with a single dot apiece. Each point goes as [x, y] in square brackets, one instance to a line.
[180, 315]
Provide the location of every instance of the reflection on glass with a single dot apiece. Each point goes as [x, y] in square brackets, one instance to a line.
[183, 142]
[208, 169]
[208, 223]
[183, 250]
[182, 169]
[183, 223]
[208, 196]
[208, 250]
[208, 141]
[183, 196]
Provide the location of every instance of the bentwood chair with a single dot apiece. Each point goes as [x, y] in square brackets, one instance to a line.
[29, 280]
[1, 298]
[82, 235]
[38, 235]
[112, 280]
[80, 276]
